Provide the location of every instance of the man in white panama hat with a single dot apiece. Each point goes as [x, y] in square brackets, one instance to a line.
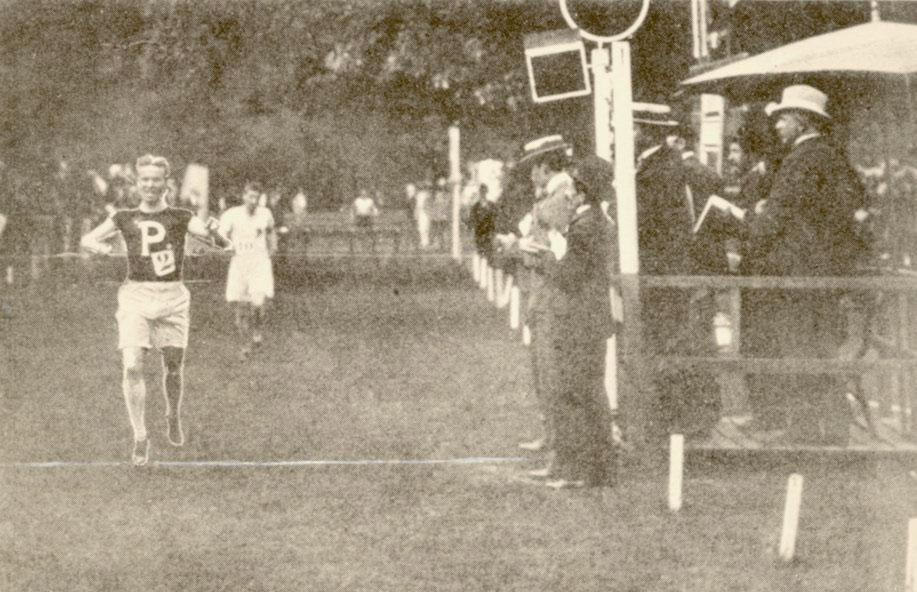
[805, 227]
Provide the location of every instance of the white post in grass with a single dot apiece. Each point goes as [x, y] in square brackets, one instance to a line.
[676, 470]
[476, 267]
[526, 335]
[910, 578]
[791, 517]
[506, 287]
[611, 373]
[455, 180]
[491, 280]
[514, 297]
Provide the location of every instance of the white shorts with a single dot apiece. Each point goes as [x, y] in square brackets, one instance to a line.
[250, 279]
[153, 314]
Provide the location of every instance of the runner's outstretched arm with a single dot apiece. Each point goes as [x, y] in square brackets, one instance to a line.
[209, 229]
[95, 240]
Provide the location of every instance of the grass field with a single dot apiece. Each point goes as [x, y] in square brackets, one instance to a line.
[377, 364]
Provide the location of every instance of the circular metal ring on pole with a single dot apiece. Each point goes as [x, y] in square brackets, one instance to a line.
[600, 39]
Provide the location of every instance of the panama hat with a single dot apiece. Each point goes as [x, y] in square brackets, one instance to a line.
[801, 97]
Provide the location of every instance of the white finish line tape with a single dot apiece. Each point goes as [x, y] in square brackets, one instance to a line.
[255, 463]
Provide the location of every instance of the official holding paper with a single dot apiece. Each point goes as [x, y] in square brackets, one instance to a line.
[806, 227]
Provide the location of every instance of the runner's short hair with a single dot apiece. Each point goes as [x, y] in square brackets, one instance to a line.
[153, 160]
[253, 186]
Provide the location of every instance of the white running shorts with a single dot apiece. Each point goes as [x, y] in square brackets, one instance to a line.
[153, 314]
[250, 279]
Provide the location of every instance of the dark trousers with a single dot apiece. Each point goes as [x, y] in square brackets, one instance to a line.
[544, 365]
[583, 444]
[796, 324]
[674, 324]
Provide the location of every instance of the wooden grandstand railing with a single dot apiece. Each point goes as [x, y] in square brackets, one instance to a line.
[894, 364]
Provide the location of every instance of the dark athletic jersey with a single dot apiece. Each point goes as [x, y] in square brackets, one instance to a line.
[155, 243]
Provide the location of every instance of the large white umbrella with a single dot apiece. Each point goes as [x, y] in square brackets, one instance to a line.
[862, 51]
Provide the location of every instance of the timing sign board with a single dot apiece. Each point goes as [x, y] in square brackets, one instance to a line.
[556, 64]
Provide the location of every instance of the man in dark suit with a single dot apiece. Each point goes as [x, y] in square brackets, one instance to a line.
[806, 227]
[577, 270]
[482, 219]
[675, 321]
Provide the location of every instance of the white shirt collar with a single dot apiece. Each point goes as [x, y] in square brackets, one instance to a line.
[805, 137]
[556, 181]
[648, 152]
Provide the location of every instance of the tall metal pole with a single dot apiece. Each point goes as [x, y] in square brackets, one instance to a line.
[625, 170]
[634, 406]
[600, 60]
[613, 89]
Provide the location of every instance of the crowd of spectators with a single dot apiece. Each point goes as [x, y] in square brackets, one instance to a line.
[48, 208]
[796, 207]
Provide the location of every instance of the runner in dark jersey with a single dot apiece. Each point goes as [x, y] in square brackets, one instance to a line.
[153, 303]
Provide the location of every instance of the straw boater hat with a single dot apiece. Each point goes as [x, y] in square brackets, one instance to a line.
[544, 144]
[800, 97]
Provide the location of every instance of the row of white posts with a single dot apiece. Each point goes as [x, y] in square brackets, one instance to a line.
[502, 291]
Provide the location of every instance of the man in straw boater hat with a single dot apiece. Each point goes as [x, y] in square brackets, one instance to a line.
[578, 272]
[805, 227]
[676, 322]
[546, 159]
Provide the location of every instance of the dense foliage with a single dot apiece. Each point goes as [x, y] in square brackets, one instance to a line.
[328, 94]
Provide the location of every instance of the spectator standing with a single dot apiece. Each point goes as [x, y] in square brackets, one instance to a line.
[422, 200]
[440, 212]
[21, 224]
[675, 321]
[554, 188]
[407, 203]
[482, 219]
[364, 211]
[701, 182]
[297, 222]
[577, 268]
[806, 227]
[7, 252]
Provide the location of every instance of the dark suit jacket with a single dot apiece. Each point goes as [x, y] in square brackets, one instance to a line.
[663, 218]
[515, 202]
[483, 216]
[582, 278]
[807, 226]
[703, 181]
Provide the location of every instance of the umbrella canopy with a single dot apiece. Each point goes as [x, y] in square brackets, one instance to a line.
[882, 48]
